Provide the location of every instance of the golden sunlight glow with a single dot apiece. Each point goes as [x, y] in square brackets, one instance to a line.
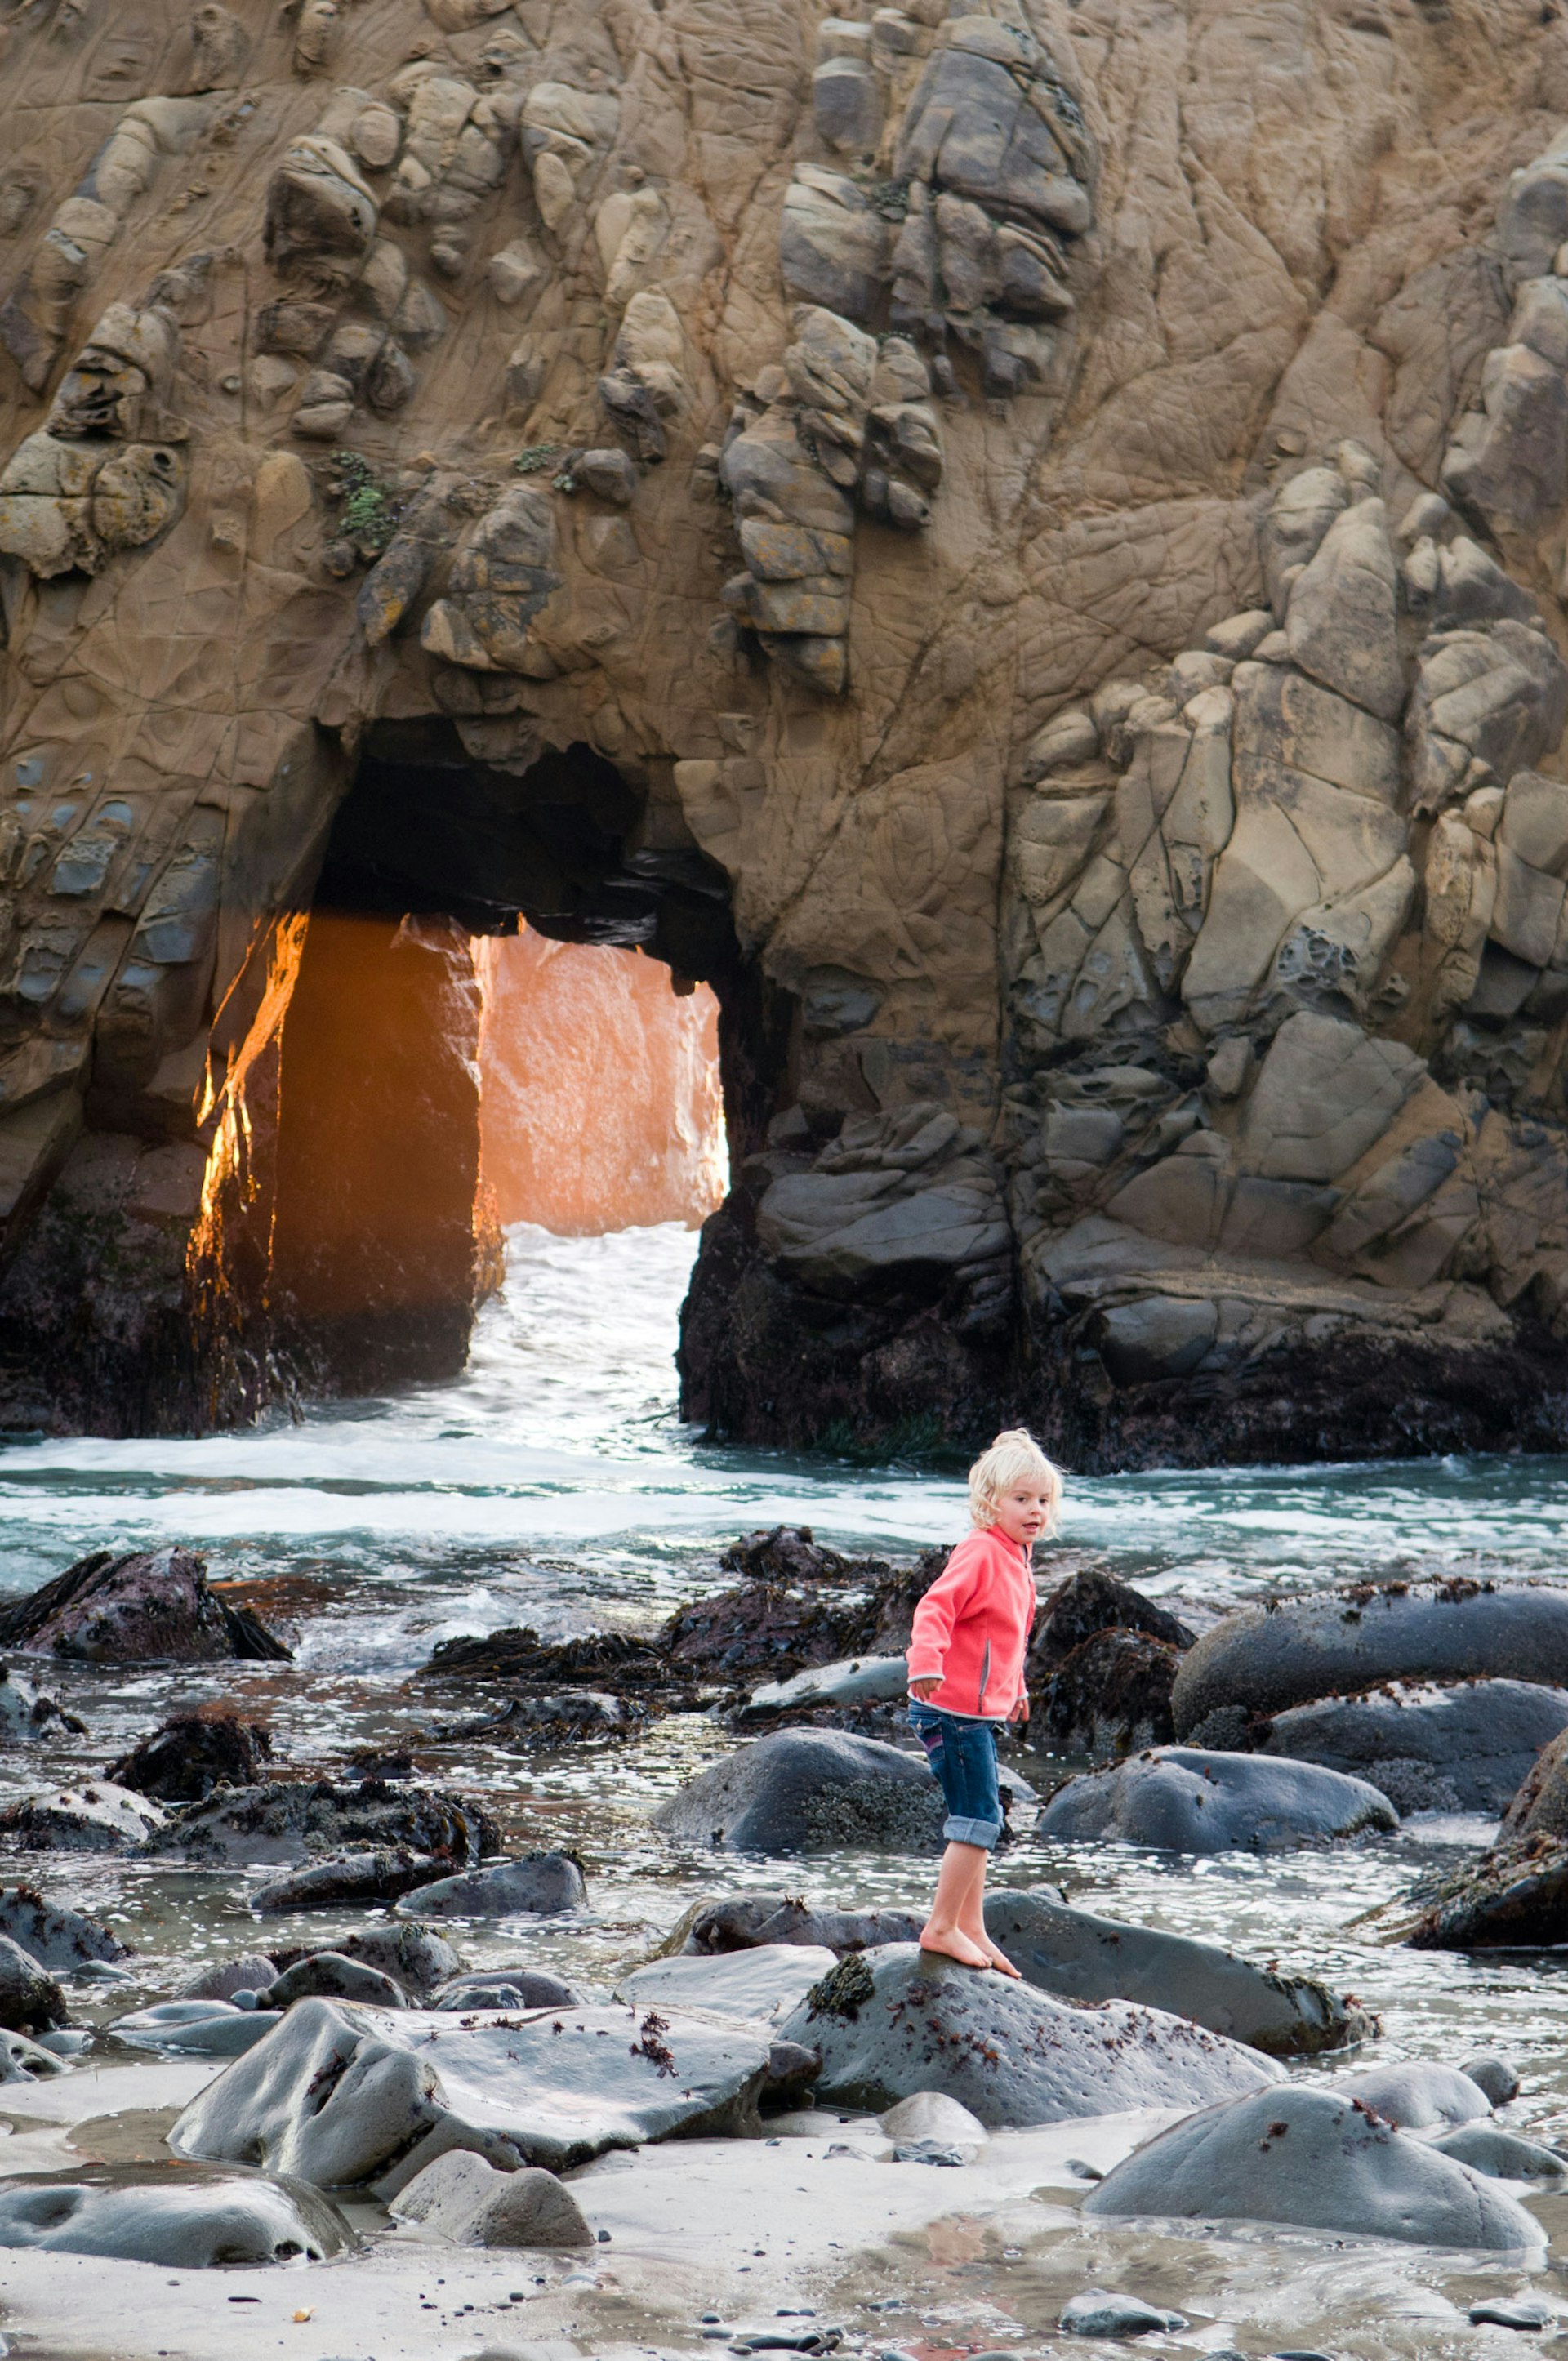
[601, 1106]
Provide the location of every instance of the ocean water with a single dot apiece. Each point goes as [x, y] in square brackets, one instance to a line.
[561, 1439]
[554, 1485]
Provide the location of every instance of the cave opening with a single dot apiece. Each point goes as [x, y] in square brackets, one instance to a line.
[518, 996]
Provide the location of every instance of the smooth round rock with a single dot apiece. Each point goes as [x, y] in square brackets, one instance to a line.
[1499, 2311]
[22, 2060]
[1079, 1956]
[181, 2216]
[328, 1975]
[809, 1791]
[1495, 2076]
[195, 2028]
[1096, 2312]
[463, 2199]
[1336, 1642]
[891, 2022]
[1502, 2155]
[414, 1957]
[1312, 2159]
[30, 2000]
[506, 1988]
[766, 1982]
[64, 1940]
[541, 1885]
[1186, 1799]
[933, 2116]
[252, 1971]
[1462, 1746]
[1416, 2093]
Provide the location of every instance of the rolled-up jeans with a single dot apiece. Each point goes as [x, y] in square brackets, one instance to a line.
[962, 1753]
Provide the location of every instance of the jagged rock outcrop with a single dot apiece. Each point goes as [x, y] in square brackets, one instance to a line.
[1056, 622]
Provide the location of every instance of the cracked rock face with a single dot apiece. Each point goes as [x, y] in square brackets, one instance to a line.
[1051, 603]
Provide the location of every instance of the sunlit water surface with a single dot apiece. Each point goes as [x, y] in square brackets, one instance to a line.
[554, 1485]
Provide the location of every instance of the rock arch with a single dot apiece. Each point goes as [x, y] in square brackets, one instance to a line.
[1057, 506]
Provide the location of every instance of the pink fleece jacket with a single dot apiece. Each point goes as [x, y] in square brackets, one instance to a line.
[971, 1628]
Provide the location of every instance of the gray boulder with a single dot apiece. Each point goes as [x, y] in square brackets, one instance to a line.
[768, 1981]
[379, 1873]
[196, 2028]
[540, 1885]
[806, 1790]
[328, 1975]
[466, 2200]
[894, 2020]
[342, 2095]
[415, 1957]
[932, 2115]
[30, 2000]
[1459, 1747]
[65, 1940]
[1076, 1956]
[1314, 2159]
[1501, 2154]
[292, 1821]
[22, 2060]
[859, 1680]
[98, 1817]
[509, 1988]
[182, 2217]
[1187, 1799]
[739, 1921]
[1416, 2094]
[252, 1971]
[1496, 2077]
[1337, 1642]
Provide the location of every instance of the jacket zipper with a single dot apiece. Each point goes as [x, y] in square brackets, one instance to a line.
[984, 1674]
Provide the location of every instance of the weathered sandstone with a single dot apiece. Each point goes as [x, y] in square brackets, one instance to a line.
[1022, 545]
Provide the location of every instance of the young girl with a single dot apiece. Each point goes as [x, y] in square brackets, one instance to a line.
[966, 1676]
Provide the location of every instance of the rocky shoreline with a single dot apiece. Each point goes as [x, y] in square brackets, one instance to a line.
[376, 2070]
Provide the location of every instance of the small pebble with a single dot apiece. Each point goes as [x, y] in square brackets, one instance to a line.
[1501, 2312]
[1083, 2171]
[1099, 2312]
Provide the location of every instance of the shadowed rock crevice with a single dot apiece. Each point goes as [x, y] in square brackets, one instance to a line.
[356, 1255]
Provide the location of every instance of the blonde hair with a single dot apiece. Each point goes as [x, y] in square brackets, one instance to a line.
[1013, 1458]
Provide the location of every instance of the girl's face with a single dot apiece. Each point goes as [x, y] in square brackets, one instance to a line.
[1024, 1512]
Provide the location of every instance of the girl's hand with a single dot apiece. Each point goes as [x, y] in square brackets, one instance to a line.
[924, 1688]
[1020, 1713]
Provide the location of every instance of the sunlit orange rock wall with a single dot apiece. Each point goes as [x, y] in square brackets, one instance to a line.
[601, 1106]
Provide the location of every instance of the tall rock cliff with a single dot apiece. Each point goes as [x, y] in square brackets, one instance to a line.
[1023, 542]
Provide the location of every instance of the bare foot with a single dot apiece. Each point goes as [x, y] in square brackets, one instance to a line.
[952, 1943]
[1000, 1959]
